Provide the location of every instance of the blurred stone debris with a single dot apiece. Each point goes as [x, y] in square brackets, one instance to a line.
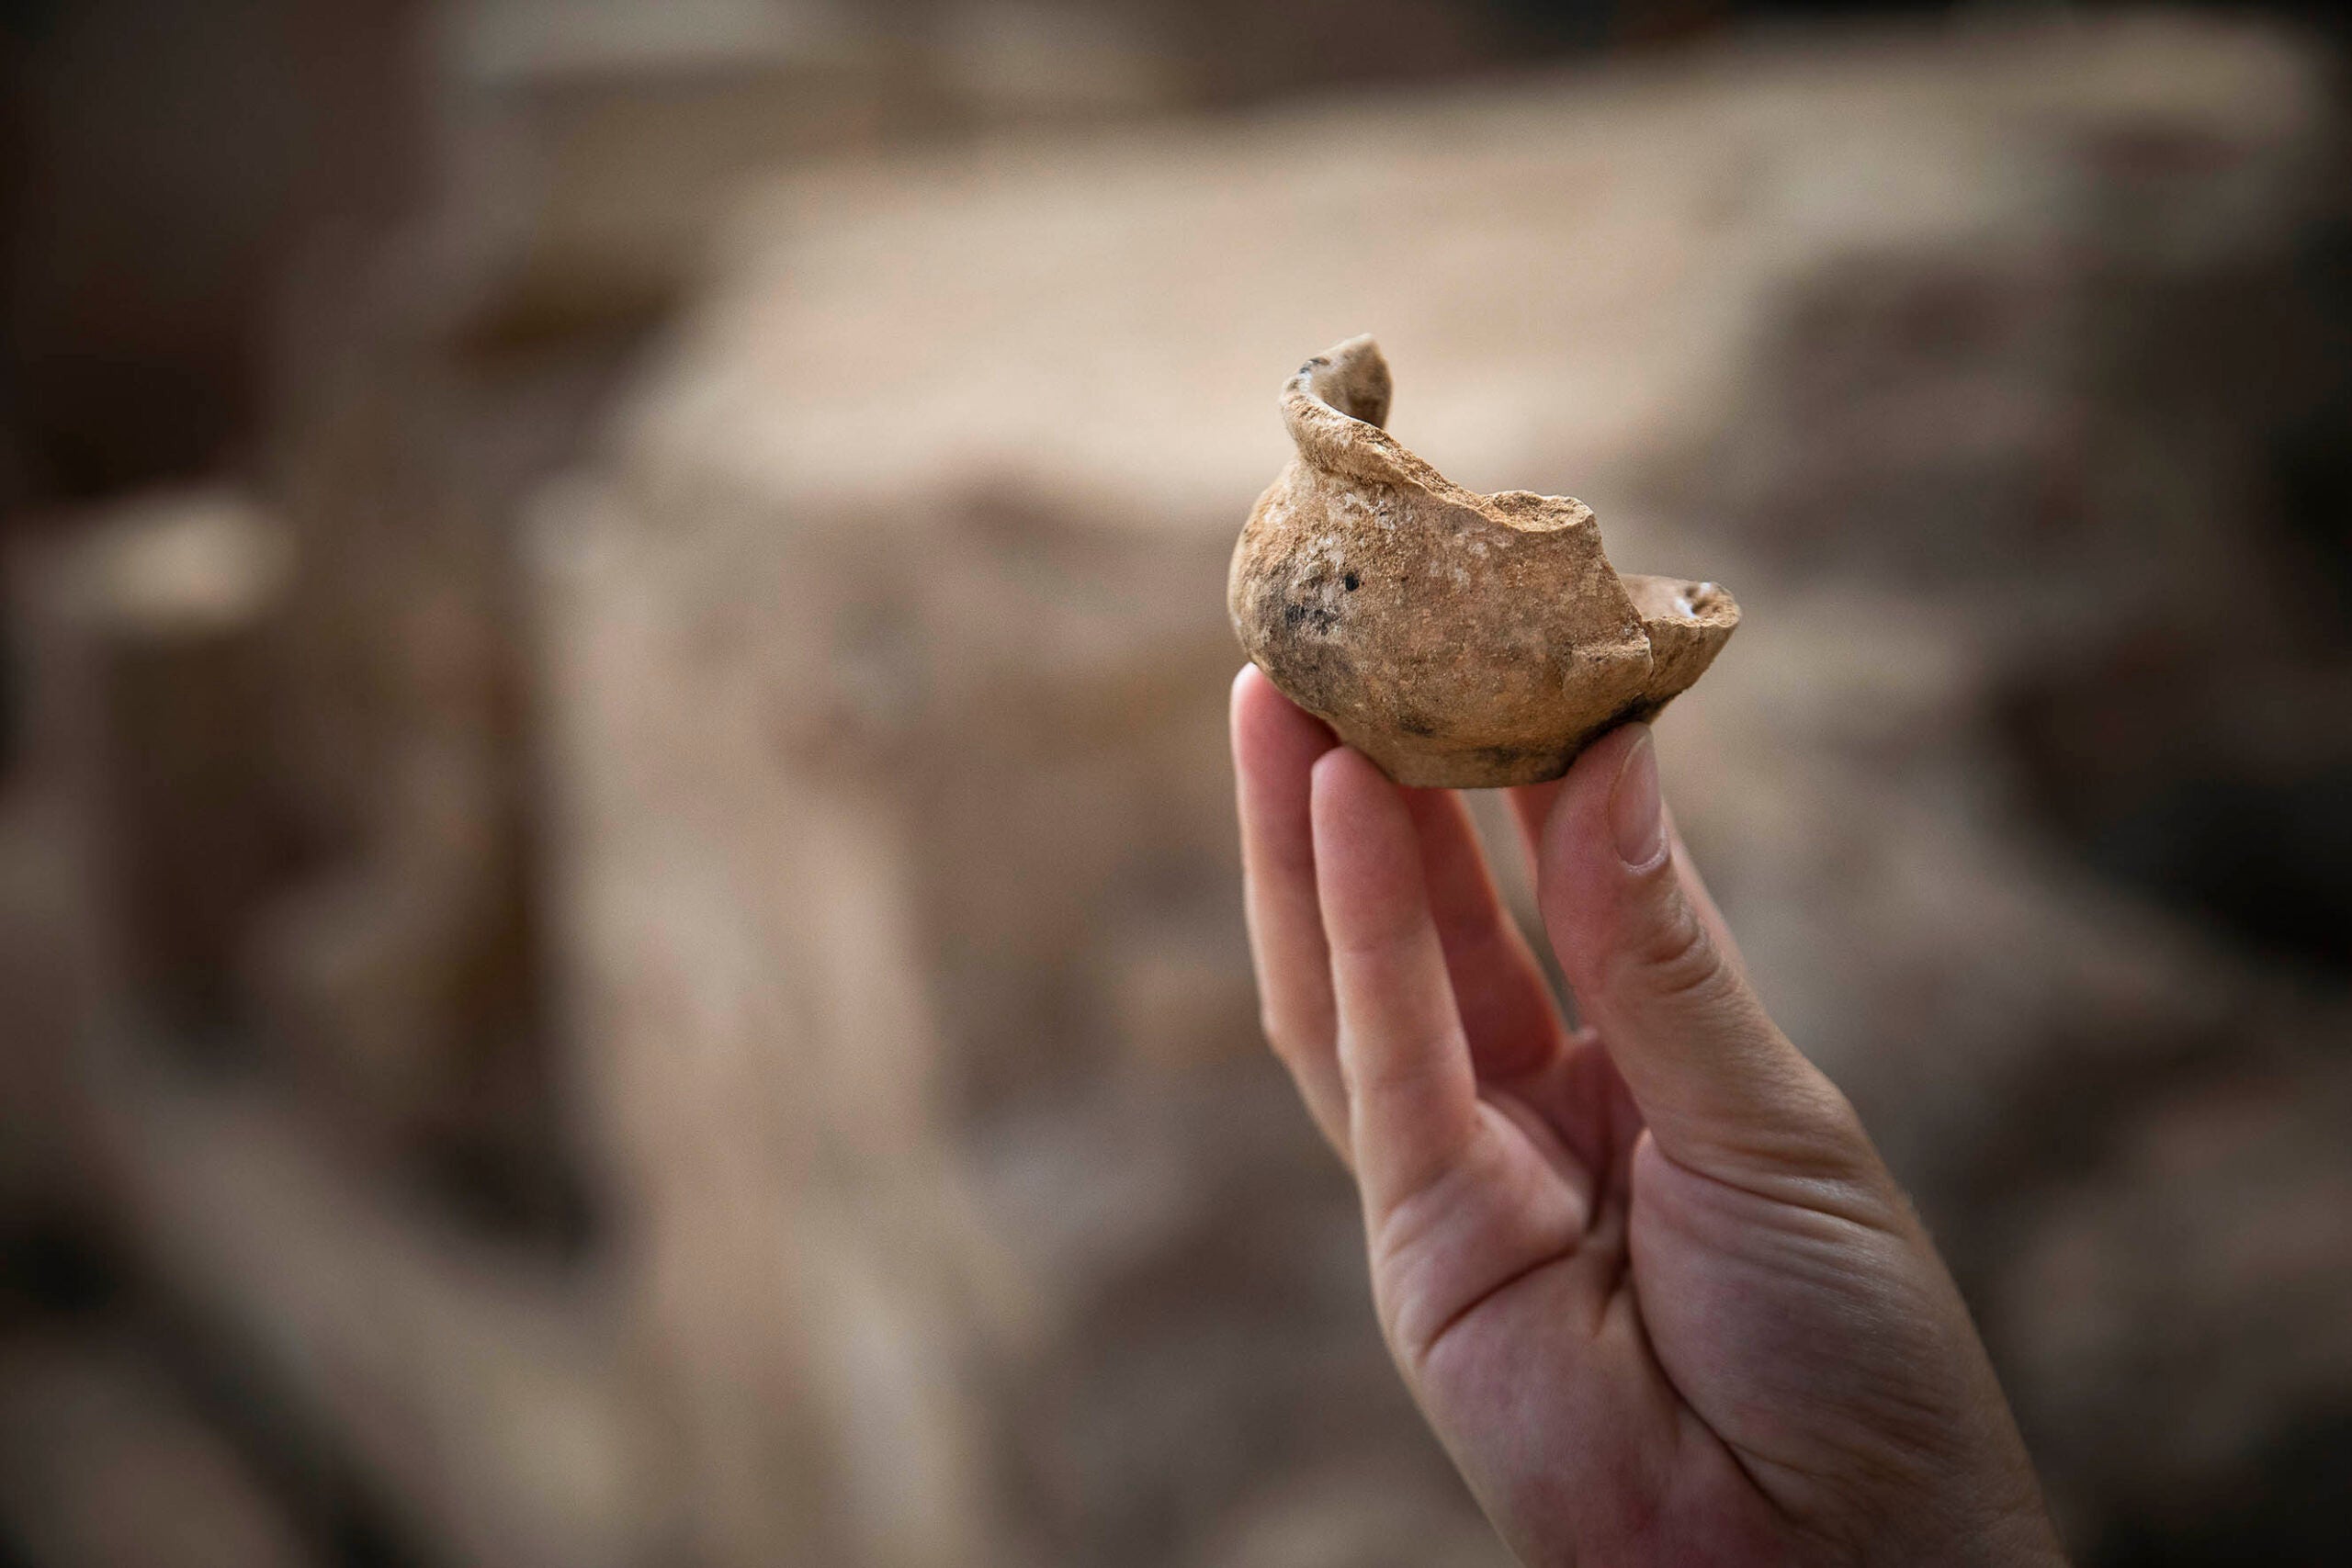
[619, 938]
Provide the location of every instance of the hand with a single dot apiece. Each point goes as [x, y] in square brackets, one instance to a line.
[1649, 1279]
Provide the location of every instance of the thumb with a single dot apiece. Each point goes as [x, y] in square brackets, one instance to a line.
[1721, 1088]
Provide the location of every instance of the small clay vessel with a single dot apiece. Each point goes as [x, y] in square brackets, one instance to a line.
[1459, 640]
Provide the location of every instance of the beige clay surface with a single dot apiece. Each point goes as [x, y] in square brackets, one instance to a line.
[1459, 640]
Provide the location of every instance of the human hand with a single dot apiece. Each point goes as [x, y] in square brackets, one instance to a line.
[1647, 1279]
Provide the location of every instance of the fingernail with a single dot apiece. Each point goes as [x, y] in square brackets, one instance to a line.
[1636, 814]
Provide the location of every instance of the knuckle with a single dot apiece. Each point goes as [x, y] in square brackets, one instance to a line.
[1281, 1038]
[1824, 1138]
[1423, 1069]
[1845, 1141]
[1295, 1034]
[1673, 956]
[1839, 1122]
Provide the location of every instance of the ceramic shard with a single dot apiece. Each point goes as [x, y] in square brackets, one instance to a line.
[1459, 640]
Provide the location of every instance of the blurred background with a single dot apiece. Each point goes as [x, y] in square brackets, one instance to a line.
[619, 939]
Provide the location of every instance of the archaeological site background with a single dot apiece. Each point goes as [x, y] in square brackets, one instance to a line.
[620, 935]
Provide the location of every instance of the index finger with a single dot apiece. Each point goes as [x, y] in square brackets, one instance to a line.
[1274, 750]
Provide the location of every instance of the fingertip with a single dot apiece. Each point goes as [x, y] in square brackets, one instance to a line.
[1250, 686]
[1268, 727]
[1346, 786]
[1576, 828]
[1248, 682]
[1251, 691]
[1344, 767]
[1601, 762]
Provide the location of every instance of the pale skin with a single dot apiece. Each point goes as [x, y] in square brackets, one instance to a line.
[1647, 1279]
